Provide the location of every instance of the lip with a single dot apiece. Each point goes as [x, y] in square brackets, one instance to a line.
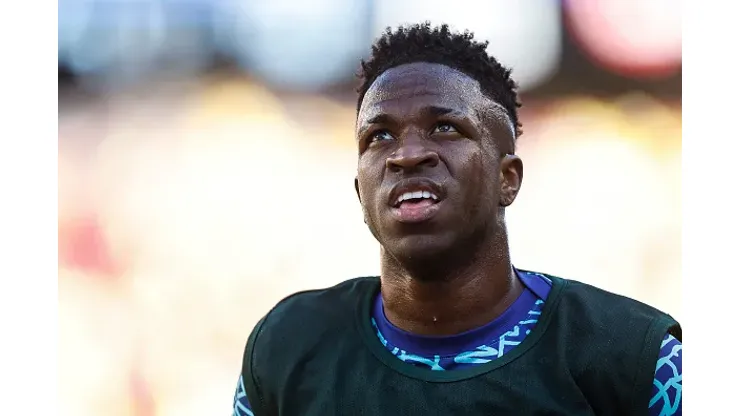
[415, 184]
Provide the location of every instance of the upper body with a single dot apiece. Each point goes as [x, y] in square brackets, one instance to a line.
[340, 338]
[453, 324]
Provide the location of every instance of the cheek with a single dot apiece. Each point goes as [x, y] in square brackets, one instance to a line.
[480, 174]
[368, 180]
[471, 166]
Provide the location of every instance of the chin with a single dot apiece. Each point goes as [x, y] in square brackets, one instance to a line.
[420, 249]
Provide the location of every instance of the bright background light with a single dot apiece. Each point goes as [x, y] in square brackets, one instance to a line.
[524, 35]
[206, 160]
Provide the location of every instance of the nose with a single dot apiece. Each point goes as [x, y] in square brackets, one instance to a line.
[411, 155]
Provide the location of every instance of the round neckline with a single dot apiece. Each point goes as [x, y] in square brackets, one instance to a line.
[369, 336]
[448, 346]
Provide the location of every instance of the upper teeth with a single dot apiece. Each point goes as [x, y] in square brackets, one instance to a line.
[416, 195]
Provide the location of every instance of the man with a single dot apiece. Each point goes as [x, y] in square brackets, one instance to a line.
[451, 327]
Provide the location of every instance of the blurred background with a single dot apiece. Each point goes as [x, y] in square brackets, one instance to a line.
[199, 141]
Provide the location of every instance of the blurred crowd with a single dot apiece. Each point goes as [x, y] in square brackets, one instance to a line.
[206, 161]
[315, 44]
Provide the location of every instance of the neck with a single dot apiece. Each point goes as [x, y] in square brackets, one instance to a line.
[459, 299]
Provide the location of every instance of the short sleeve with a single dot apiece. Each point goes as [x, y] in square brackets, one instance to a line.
[666, 393]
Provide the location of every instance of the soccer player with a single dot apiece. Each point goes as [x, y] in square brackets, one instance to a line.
[451, 327]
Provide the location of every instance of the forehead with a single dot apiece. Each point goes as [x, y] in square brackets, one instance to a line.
[408, 87]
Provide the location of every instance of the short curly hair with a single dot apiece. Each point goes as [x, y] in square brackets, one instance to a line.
[424, 43]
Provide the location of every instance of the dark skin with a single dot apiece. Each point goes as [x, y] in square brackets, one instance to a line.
[450, 271]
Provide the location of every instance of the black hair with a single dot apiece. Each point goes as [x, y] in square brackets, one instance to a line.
[423, 43]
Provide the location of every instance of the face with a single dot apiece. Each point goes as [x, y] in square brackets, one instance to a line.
[436, 164]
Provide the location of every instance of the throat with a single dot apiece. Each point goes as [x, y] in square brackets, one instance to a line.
[445, 308]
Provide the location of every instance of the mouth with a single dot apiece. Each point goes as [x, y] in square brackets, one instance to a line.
[415, 200]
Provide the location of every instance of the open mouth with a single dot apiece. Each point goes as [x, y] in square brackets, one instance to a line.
[416, 198]
[416, 205]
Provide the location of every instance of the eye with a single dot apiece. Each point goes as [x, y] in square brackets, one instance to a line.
[379, 136]
[445, 128]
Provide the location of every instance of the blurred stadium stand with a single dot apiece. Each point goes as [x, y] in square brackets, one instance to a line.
[196, 135]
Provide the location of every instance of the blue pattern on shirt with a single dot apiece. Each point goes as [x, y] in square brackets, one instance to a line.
[666, 397]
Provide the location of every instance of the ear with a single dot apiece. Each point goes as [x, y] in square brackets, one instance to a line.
[512, 171]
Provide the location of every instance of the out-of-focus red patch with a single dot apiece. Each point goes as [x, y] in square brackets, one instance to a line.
[141, 394]
[82, 246]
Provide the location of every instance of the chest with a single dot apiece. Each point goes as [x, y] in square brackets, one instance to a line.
[359, 384]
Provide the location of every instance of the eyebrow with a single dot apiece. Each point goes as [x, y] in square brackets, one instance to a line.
[438, 111]
[434, 111]
[379, 119]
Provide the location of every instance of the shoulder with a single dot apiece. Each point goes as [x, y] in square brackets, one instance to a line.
[312, 314]
[295, 328]
[328, 302]
[604, 311]
[610, 342]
